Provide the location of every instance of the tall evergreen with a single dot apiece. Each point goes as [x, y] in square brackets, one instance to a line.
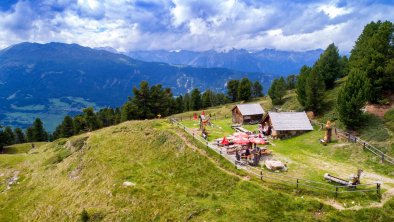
[301, 84]
[91, 120]
[9, 136]
[373, 53]
[232, 90]
[195, 99]
[39, 133]
[30, 134]
[291, 81]
[344, 62]
[2, 139]
[314, 91]
[207, 98]
[67, 127]
[19, 136]
[277, 91]
[352, 97]
[80, 125]
[257, 89]
[328, 66]
[244, 89]
[179, 104]
[186, 102]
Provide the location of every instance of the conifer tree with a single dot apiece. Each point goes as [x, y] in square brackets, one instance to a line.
[328, 66]
[301, 84]
[30, 134]
[19, 136]
[232, 90]
[314, 91]
[244, 89]
[277, 91]
[90, 118]
[67, 127]
[39, 133]
[373, 53]
[352, 97]
[9, 136]
[195, 99]
[257, 89]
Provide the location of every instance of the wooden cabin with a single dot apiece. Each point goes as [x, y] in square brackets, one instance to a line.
[247, 113]
[287, 124]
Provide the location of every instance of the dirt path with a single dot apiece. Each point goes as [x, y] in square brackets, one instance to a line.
[331, 202]
[204, 153]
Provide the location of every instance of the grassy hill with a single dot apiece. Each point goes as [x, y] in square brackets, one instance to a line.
[152, 171]
[170, 181]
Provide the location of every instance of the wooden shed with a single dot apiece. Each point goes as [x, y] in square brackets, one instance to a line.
[247, 113]
[287, 124]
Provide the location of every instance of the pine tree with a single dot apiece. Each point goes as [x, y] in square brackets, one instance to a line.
[257, 90]
[141, 100]
[30, 134]
[90, 118]
[328, 66]
[291, 82]
[245, 89]
[39, 134]
[373, 53]
[344, 62]
[195, 99]
[179, 104]
[186, 102]
[232, 90]
[352, 97]
[2, 139]
[19, 136]
[80, 125]
[207, 98]
[9, 136]
[314, 91]
[67, 127]
[277, 91]
[301, 84]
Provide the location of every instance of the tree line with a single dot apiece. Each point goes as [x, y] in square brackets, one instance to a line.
[369, 73]
[148, 102]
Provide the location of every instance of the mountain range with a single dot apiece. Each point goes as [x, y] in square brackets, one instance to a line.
[269, 61]
[55, 79]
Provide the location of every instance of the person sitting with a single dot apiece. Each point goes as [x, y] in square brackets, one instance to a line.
[247, 153]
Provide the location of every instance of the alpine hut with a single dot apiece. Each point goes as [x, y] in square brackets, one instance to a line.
[247, 113]
[286, 124]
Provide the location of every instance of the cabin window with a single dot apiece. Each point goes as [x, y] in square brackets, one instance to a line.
[247, 117]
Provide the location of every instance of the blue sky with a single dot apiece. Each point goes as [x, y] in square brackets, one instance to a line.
[190, 24]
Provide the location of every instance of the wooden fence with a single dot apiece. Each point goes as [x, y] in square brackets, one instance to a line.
[282, 178]
[366, 146]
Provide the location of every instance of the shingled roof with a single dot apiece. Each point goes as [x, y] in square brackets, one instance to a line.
[290, 121]
[250, 109]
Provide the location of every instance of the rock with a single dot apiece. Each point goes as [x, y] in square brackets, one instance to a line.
[128, 184]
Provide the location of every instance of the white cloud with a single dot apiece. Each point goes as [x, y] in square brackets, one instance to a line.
[193, 25]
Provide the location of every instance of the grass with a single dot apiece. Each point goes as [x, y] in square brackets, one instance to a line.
[183, 184]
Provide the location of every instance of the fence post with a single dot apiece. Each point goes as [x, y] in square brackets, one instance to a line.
[297, 183]
[349, 138]
[382, 157]
[261, 175]
[364, 146]
[336, 191]
[355, 139]
[378, 188]
[193, 135]
[207, 144]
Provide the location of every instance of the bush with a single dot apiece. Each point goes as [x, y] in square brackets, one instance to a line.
[84, 216]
